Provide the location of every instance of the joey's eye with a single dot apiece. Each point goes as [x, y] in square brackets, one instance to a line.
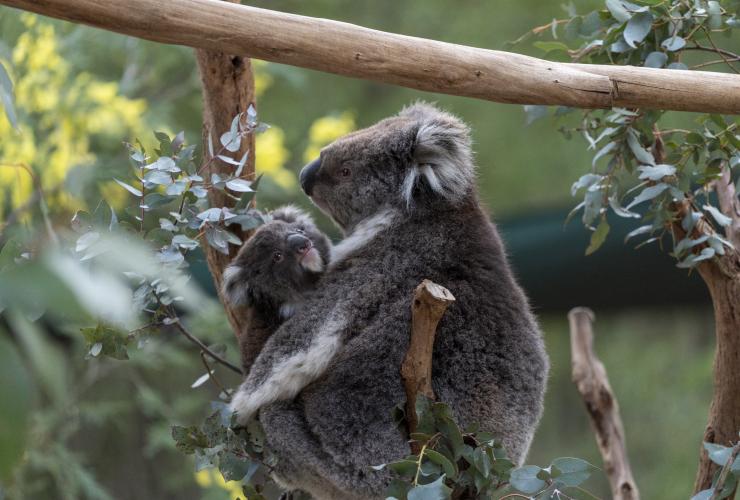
[277, 256]
[299, 230]
[344, 172]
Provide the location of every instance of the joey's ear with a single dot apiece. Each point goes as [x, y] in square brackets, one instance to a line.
[442, 157]
[234, 288]
[292, 214]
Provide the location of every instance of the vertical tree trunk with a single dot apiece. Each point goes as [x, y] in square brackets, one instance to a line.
[723, 280]
[228, 89]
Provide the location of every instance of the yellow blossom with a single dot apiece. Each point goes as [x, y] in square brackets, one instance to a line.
[325, 130]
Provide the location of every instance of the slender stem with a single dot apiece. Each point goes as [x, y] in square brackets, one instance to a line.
[418, 464]
[515, 495]
[719, 51]
[212, 375]
[204, 347]
[713, 49]
[716, 61]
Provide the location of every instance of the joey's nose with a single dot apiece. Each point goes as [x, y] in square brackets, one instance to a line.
[298, 243]
[308, 176]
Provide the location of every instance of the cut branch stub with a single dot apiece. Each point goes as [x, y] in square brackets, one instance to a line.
[592, 382]
[429, 304]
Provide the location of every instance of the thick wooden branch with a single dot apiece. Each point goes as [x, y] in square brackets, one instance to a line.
[434, 66]
[590, 377]
[429, 304]
[228, 89]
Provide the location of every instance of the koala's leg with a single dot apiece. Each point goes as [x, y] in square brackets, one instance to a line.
[290, 360]
[341, 425]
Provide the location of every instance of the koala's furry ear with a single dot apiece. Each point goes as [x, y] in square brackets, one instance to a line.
[234, 289]
[442, 155]
[292, 214]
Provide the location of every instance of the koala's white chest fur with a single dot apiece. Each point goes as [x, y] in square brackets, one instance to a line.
[362, 235]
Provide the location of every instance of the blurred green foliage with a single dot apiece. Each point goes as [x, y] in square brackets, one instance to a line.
[100, 428]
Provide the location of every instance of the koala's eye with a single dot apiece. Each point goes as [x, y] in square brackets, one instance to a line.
[277, 256]
[345, 172]
[300, 231]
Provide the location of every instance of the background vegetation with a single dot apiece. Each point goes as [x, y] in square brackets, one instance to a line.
[99, 428]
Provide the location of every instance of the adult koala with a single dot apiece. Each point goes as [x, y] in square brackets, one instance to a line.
[403, 191]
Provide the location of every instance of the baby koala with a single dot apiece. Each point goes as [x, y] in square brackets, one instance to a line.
[282, 261]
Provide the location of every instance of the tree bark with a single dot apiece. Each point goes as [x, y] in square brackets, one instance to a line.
[228, 89]
[418, 63]
[429, 304]
[722, 277]
[592, 382]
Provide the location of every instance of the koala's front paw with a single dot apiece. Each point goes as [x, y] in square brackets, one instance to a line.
[244, 406]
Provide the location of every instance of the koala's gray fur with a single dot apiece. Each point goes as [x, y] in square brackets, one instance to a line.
[403, 191]
[271, 289]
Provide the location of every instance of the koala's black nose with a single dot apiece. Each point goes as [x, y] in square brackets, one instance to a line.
[308, 175]
[298, 243]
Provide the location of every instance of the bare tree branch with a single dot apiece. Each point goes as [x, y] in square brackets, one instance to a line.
[418, 63]
[591, 379]
[429, 304]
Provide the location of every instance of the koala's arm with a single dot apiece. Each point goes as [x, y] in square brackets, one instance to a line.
[294, 356]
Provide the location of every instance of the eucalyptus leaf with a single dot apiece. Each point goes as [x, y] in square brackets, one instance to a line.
[129, 188]
[598, 237]
[642, 154]
[718, 216]
[437, 490]
[637, 28]
[618, 11]
[239, 185]
[525, 479]
[656, 59]
[673, 43]
[656, 172]
[648, 193]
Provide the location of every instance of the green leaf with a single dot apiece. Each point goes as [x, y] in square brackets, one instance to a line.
[673, 43]
[240, 185]
[598, 236]
[547, 47]
[534, 112]
[715, 15]
[648, 193]
[6, 96]
[437, 490]
[573, 471]
[656, 60]
[233, 467]
[525, 479]
[717, 453]
[404, 468]
[187, 439]
[450, 469]
[619, 210]
[704, 495]
[159, 178]
[640, 230]
[17, 386]
[637, 28]
[656, 173]
[642, 154]
[618, 11]
[718, 216]
[129, 188]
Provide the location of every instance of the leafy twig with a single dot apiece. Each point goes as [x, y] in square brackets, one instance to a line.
[176, 322]
[720, 51]
[725, 473]
[212, 375]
